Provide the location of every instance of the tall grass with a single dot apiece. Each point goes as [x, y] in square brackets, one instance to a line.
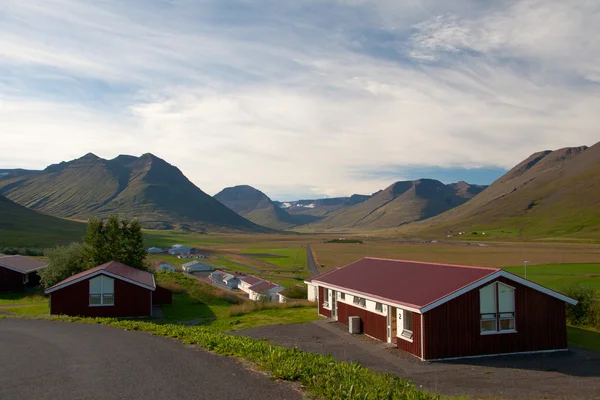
[252, 306]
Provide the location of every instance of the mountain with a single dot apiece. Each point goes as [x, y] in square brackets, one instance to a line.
[22, 227]
[401, 203]
[551, 193]
[320, 207]
[145, 187]
[256, 206]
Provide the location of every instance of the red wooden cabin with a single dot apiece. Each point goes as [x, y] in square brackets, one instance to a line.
[443, 311]
[18, 272]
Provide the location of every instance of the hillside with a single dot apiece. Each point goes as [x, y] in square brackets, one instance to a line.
[144, 187]
[551, 193]
[320, 208]
[258, 207]
[401, 203]
[22, 227]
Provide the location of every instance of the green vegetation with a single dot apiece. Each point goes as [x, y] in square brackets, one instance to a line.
[283, 257]
[357, 241]
[31, 303]
[22, 298]
[584, 337]
[23, 251]
[321, 376]
[22, 227]
[63, 262]
[558, 276]
[584, 312]
[28, 309]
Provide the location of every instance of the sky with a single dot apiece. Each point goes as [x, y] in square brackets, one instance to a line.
[300, 99]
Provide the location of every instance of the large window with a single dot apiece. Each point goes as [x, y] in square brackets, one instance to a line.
[325, 297]
[407, 324]
[497, 308]
[359, 301]
[102, 291]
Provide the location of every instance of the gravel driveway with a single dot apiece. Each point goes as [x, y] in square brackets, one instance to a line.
[58, 360]
[564, 375]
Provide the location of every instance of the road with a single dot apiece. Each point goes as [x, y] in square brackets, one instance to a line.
[58, 360]
[310, 262]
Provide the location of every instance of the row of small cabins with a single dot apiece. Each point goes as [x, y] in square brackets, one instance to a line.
[433, 311]
[178, 250]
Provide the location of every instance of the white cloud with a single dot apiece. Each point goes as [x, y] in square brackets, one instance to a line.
[292, 100]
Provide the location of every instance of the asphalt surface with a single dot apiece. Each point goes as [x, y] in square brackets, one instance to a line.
[58, 360]
[310, 262]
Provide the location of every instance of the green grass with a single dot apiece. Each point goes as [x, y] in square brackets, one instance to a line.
[24, 303]
[28, 309]
[557, 276]
[22, 298]
[584, 337]
[255, 319]
[321, 376]
[283, 257]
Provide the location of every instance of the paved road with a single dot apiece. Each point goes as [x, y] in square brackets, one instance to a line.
[310, 262]
[57, 360]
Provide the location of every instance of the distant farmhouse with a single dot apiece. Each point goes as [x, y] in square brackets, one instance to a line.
[18, 273]
[156, 250]
[163, 266]
[109, 290]
[180, 249]
[196, 266]
[438, 311]
[183, 256]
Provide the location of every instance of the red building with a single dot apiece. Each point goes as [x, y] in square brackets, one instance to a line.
[109, 290]
[18, 272]
[440, 311]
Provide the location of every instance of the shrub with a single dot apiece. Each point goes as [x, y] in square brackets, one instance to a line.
[583, 312]
[296, 292]
[24, 251]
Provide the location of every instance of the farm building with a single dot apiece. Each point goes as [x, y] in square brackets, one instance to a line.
[180, 249]
[196, 266]
[18, 273]
[247, 281]
[109, 290]
[231, 281]
[439, 311]
[183, 256]
[264, 291]
[163, 266]
[155, 250]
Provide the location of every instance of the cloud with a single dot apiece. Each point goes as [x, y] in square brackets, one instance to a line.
[301, 97]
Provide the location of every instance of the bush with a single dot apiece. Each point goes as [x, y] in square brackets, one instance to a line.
[296, 292]
[583, 312]
[23, 251]
[64, 261]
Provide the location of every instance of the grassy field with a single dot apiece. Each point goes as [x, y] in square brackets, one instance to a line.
[587, 338]
[557, 276]
[293, 257]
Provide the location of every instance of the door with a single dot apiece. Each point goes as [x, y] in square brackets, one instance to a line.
[392, 325]
[333, 303]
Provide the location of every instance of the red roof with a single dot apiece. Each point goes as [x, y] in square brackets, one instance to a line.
[20, 263]
[410, 283]
[115, 269]
[251, 280]
[262, 286]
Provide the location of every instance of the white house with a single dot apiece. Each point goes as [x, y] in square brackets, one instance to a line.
[264, 291]
[247, 281]
[163, 266]
[312, 291]
[155, 250]
[180, 249]
[231, 281]
[196, 266]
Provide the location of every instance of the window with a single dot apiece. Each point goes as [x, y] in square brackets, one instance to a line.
[407, 324]
[342, 296]
[497, 308]
[325, 297]
[359, 301]
[102, 291]
[379, 307]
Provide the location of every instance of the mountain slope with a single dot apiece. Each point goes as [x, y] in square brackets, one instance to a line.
[551, 193]
[257, 207]
[401, 203]
[321, 207]
[147, 188]
[22, 227]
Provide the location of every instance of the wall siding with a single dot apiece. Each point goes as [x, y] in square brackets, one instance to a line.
[453, 330]
[372, 324]
[130, 301]
[322, 311]
[11, 281]
[413, 347]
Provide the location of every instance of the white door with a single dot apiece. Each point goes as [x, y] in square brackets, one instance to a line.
[399, 322]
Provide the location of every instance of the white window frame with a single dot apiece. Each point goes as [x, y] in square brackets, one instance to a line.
[379, 307]
[326, 294]
[406, 334]
[359, 301]
[498, 316]
[106, 299]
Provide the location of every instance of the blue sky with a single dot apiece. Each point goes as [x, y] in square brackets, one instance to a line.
[299, 99]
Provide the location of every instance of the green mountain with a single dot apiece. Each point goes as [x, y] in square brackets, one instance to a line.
[320, 208]
[551, 193]
[22, 227]
[399, 204]
[145, 187]
[256, 206]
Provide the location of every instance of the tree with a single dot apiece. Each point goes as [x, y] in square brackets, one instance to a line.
[116, 240]
[583, 312]
[64, 261]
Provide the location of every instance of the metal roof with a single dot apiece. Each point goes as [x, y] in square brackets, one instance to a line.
[21, 264]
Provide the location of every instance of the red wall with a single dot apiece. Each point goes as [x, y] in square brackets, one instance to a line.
[374, 325]
[452, 329]
[322, 311]
[11, 281]
[162, 296]
[130, 301]
[413, 347]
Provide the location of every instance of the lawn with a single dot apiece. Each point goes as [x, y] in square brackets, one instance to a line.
[584, 337]
[557, 276]
[31, 303]
[291, 257]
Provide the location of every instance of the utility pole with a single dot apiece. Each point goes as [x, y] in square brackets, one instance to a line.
[525, 263]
